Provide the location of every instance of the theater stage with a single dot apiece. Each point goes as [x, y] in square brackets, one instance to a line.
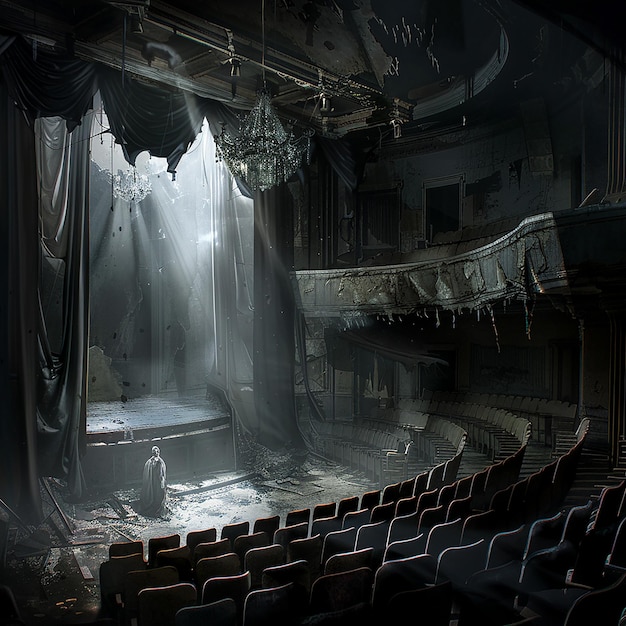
[195, 433]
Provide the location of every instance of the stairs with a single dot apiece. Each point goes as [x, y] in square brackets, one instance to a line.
[593, 473]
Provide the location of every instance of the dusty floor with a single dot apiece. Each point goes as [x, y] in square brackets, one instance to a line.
[60, 585]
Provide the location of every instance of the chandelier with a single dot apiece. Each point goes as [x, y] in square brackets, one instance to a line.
[263, 153]
[131, 186]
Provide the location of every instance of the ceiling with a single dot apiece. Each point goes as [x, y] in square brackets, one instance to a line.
[336, 66]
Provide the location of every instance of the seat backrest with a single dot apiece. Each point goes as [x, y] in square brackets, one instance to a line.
[607, 602]
[430, 517]
[324, 509]
[403, 527]
[124, 548]
[406, 488]
[112, 574]
[463, 486]
[285, 534]
[577, 522]
[427, 499]
[506, 546]
[343, 540]
[324, 525]
[274, 605]
[344, 561]
[414, 572]
[405, 548]
[370, 499]
[459, 507]
[479, 525]
[222, 612]
[137, 580]
[435, 477]
[544, 532]
[211, 548]
[269, 524]
[227, 564]
[458, 563]
[404, 506]
[297, 516]
[155, 544]
[257, 559]
[383, 512]
[242, 543]
[349, 503]
[446, 494]
[157, 606]
[356, 518]
[610, 505]
[296, 572]
[435, 601]
[390, 493]
[236, 587]
[230, 531]
[308, 549]
[444, 535]
[421, 482]
[373, 536]
[334, 592]
[180, 558]
[204, 535]
[547, 569]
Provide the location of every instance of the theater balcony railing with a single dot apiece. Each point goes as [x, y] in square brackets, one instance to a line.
[519, 265]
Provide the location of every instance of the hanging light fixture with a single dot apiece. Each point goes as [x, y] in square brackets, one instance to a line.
[263, 153]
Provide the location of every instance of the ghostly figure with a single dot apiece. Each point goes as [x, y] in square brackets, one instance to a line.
[153, 488]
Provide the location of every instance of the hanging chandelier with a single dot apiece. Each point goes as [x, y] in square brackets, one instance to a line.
[131, 186]
[263, 153]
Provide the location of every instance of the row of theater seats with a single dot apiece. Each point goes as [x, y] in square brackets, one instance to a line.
[546, 416]
[374, 445]
[493, 431]
[333, 561]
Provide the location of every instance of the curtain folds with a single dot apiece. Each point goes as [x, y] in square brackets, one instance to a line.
[45, 187]
[19, 311]
[274, 319]
[61, 410]
[143, 117]
[43, 84]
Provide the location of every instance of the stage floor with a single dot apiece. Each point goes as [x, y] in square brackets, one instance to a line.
[153, 412]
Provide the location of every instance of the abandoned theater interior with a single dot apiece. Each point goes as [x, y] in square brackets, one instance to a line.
[314, 312]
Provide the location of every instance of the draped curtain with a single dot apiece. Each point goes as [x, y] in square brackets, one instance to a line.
[63, 174]
[19, 314]
[45, 222]
[274, 319]
[44, 231]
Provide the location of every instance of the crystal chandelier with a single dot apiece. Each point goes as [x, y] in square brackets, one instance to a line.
[131, 186]
[263, 154]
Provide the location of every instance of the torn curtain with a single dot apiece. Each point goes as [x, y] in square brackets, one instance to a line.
[45, 370]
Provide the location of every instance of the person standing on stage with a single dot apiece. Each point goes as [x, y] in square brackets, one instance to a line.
[153, 488]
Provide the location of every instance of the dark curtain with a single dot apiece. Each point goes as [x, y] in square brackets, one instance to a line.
[344, 159]
[44, 84]
[47, 354]
[273, 327]
[219, 116]
[45, 381]
[62, 386]
[19, 314]
[143, 117]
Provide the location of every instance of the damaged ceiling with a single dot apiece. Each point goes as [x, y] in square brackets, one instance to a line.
[336, 66]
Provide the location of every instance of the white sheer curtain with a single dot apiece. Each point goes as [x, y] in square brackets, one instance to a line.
[173, 274]
[231, 307]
